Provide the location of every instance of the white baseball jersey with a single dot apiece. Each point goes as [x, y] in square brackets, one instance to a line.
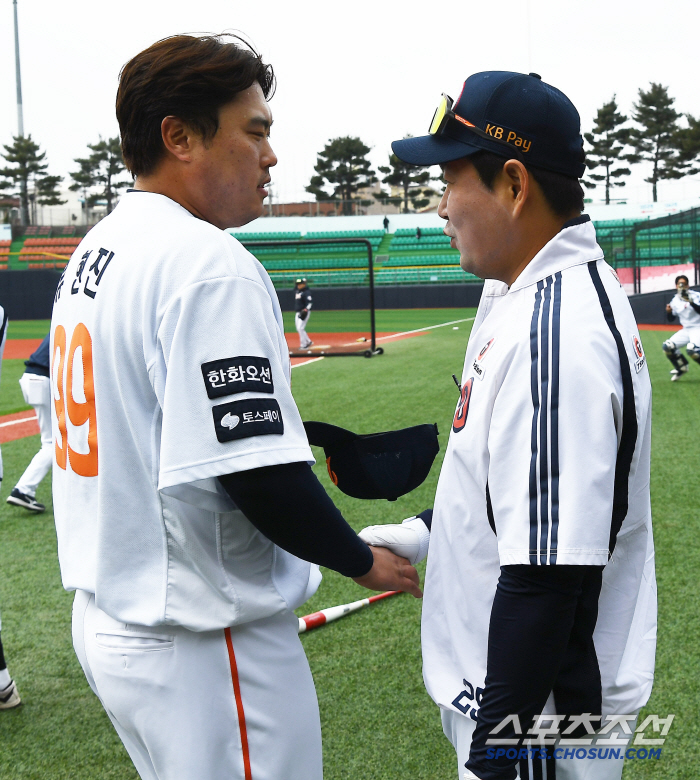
[547, 464]
[3, 339]
[682, 309]
[169, 368]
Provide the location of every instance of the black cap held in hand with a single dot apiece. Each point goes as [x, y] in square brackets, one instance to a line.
[377, 465]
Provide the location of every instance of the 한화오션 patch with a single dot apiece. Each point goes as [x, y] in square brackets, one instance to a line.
[249, 417]
[237, 375]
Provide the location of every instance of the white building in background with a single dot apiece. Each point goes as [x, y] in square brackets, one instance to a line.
[72, 212]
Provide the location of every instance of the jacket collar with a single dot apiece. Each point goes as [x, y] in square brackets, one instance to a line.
[573, 245]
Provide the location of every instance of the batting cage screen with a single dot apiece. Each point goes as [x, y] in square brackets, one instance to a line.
[324, 262]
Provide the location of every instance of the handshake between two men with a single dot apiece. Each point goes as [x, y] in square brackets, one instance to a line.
[408, 540]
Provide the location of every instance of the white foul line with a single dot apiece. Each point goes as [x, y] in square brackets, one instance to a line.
[16, 422]
[417, 330]
[394, 336]
[420, 330]
[306, 362]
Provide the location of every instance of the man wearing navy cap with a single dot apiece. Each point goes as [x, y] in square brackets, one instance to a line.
[540, 594]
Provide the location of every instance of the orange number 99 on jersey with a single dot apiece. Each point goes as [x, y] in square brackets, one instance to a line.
[79, 412]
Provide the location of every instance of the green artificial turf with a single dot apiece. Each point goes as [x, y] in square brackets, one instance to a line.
[387, 320]
[378, 722]
[11, 398]
[674, 499]
[28, 329]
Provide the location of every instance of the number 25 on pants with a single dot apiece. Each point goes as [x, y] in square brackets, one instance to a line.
[79, 412]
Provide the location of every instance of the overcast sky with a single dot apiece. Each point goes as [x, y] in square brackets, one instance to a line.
[373, 69]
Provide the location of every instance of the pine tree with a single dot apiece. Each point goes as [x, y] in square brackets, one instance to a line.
[410, 179]
[343, 166]
[28, 179]
[657, 140]
[688, 141]
[100, 170]
[83, 181]
[607, 143]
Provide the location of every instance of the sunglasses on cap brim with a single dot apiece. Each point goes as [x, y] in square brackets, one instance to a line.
[444, 113]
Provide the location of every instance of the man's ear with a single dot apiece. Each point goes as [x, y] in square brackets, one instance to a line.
[515, 185]
[178, 138]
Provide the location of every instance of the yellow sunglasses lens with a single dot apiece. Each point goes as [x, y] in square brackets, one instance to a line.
[439, 115]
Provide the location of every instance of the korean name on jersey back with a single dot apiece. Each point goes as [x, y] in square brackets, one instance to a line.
[87, 279]
[249, 417]
[237, 375]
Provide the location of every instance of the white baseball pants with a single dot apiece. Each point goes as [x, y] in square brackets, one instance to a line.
[36, 390]
[234, 704]
[459, 729]
[686, 336]
[300, 325]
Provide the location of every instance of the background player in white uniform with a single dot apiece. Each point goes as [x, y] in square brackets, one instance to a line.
[539, 591]
[3, 339]
[685, 305]
[178, 442]
[36, 389]
[9, 697]
[302, 312]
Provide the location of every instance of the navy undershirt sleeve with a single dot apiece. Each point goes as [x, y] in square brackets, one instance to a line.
[289, 506]
[531, 633]
[695, 306]
[427, 517]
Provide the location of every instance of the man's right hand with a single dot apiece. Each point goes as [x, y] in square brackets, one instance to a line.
[668, 308]
[390, 572]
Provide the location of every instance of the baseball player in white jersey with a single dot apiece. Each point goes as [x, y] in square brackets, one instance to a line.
[177, 442]
[3, 339]
[9, 697]
[36, 389]
[302, 311]
[540, 594]
[685, 305]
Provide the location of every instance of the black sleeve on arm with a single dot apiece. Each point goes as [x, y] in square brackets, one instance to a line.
[670, 316]
[695, 306]
[540, 616]
[289, 506]
[427, 517]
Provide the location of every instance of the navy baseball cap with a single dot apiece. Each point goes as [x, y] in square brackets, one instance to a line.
[377, 465]
[508, 114]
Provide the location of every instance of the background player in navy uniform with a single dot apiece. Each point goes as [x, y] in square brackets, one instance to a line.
[302, 309]
[546, 474]
[685, 305]
[36, 389]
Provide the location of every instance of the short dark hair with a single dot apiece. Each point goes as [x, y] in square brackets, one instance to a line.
[682, 276]
[563, 194]
[187, 76]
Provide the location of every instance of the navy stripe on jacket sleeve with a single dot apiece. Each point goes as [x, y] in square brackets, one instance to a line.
[545, 344]
[628, 438]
